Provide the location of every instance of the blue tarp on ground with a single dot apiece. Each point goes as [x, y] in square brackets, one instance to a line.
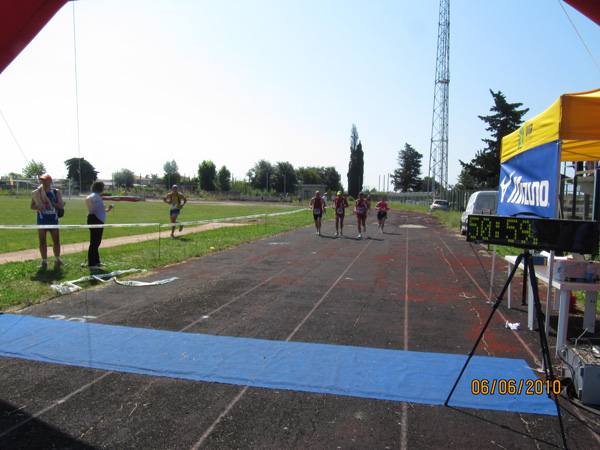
[341, 370]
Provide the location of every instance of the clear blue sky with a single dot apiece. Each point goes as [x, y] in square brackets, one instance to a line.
[239, 81]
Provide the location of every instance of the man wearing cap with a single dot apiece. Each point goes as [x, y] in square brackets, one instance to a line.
[45, 201]
[340, 204]
[176, 200]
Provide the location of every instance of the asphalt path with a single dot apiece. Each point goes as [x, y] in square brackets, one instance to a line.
[417, 287]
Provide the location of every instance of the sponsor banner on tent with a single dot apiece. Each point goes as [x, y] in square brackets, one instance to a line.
[528, 182]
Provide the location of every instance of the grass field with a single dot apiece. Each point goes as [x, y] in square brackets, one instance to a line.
[16, 211]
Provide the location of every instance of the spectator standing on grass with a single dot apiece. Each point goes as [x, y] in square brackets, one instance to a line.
[96, 216]
[382, 209]
[177, 201]
[45, 201]
[317, 204]
[360, 208]
[340, 204]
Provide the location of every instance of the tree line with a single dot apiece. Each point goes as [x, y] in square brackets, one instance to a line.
[264, 176]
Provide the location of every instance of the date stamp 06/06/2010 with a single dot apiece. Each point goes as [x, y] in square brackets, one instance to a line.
[515, 387]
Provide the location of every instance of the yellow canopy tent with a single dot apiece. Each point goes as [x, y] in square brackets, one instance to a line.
[574, 119]
[530, 157]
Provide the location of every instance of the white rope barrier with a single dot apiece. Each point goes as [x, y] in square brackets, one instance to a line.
[153, 224]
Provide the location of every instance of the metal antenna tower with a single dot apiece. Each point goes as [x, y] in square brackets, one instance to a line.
[438, 151]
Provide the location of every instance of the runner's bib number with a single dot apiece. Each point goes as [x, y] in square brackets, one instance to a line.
[361, 210]
[340, 210]
[316, 211]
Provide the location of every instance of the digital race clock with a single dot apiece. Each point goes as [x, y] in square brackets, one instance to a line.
[579, 236]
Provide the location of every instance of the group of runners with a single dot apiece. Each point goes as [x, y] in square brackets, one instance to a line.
[361, 208]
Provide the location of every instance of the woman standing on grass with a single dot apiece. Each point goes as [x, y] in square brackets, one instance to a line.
[96, 216]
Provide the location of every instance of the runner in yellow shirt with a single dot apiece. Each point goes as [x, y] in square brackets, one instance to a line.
[177, 201]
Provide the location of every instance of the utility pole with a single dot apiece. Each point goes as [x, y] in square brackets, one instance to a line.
[438, 151]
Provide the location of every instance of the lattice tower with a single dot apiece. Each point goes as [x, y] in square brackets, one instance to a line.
[438, 151]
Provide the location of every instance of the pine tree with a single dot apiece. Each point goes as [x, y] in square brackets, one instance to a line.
[483, 172]
[407, 176]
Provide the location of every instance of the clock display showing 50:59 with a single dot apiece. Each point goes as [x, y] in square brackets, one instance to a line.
[580, 236]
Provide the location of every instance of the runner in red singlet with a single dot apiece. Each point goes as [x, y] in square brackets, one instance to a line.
[382, 209]
[340, 204]
[361, 214]
[317, 204]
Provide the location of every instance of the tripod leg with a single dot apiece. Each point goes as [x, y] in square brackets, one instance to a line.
[494, 308]
[525, 278]
[547, 361]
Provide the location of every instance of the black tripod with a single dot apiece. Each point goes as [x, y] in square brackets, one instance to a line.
[527, 260]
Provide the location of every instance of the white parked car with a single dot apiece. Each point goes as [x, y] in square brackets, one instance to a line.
[439, 205]
[480, 202]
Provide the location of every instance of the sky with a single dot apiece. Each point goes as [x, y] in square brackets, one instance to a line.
[132, 84]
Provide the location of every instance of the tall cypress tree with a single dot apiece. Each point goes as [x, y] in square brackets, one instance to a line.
[356, 166]
[360, 162]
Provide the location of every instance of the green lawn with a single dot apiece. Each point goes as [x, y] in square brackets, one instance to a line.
[16, 211]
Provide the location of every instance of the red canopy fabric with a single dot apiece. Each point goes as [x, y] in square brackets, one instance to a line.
[590, 8]
[20, 22]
